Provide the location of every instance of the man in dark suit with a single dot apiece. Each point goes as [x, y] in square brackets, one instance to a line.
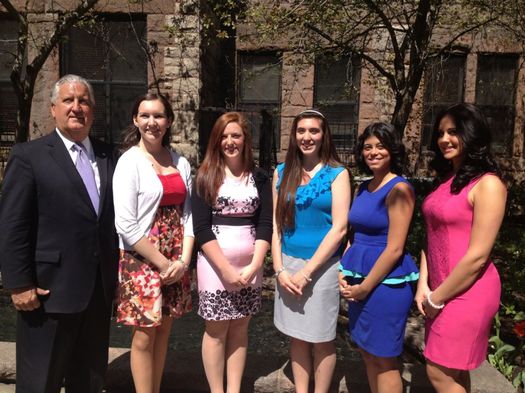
[58, 248]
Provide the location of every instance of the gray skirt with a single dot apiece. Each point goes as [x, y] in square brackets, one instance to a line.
[312, 317]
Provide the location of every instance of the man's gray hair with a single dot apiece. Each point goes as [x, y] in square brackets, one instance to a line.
[70, 78]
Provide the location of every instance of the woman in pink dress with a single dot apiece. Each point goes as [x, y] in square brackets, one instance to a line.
[232, 205]
[459, 287]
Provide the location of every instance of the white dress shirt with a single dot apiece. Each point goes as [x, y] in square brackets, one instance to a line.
[74, 154]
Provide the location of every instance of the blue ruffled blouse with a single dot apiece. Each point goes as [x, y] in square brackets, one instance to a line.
[313, 213]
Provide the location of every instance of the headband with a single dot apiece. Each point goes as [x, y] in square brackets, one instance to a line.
[311, 112]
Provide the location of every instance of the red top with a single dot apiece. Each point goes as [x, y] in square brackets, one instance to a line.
[174, 189]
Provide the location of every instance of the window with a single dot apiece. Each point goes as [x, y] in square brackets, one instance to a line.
[8, 100]
[259, 96]
[110, 54]
[495, 92]
[444, 86]
[336, 94]
[260, 79]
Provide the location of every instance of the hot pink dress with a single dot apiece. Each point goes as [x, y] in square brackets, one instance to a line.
[458, 337]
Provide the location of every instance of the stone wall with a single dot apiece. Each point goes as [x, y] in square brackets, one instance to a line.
[174, 40]
[297, 94]
[181, 75]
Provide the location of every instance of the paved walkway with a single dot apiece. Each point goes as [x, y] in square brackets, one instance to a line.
[269, 371]
[267, 368]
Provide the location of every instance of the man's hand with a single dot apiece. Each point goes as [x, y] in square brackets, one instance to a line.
[26, 299]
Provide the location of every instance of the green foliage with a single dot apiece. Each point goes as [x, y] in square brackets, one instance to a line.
[220, 18]
[516, 199]
[507, 358]
[416, 236]
[509, 249]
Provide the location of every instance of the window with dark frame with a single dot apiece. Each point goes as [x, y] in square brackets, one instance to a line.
[259, 93]
[8, 100]
[444, 86]
[336, 94]
[111, 55]
[495, 96]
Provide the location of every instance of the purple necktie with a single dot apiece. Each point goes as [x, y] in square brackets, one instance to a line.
[85, 170]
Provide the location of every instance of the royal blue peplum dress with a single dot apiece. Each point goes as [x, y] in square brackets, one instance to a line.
[377, 323]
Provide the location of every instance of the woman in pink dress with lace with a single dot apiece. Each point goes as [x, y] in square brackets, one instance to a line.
[459, 287]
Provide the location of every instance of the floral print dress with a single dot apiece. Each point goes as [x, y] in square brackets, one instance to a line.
[142, 299]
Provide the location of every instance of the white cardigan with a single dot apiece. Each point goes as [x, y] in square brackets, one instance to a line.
[137, 192]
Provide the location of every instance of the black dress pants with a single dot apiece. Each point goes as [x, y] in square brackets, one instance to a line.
[70, 349]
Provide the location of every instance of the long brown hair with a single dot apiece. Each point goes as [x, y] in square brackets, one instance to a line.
[211, 172]
[131, 135]
[293, 169]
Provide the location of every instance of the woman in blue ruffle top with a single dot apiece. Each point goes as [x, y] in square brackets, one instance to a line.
[377, 274]
[311, 200]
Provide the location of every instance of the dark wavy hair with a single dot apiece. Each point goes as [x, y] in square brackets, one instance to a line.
[293, 168]
[391, 140]
[131, 135]
[473, 132]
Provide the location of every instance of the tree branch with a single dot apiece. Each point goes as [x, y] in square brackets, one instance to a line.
[421, 33]
[63, 26]
[387, 23]
[354, 51]
[13, 11]
[462, 33]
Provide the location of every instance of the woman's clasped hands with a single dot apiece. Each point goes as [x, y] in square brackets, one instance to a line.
[352, 293]
[295, 283]
[232, 277]
[172, 272]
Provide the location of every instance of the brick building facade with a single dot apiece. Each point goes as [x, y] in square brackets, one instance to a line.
[486, 70]
[128, 49]
[162, 44]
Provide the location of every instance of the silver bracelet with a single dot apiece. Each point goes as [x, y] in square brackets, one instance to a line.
[431, 303]
[282, 269]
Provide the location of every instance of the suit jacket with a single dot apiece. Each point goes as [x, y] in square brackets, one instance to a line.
[50, 234]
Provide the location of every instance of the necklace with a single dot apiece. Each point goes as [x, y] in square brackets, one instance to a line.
[159, 160]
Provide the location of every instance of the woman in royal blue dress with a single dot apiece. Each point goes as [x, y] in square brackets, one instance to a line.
[376, 272]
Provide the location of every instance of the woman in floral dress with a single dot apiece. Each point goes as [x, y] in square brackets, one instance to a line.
[151, 188]
[232, 204]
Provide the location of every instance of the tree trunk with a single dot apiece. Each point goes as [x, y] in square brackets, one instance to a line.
[266, 141]
[25, 103]
[23, 118]
[402, 112]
